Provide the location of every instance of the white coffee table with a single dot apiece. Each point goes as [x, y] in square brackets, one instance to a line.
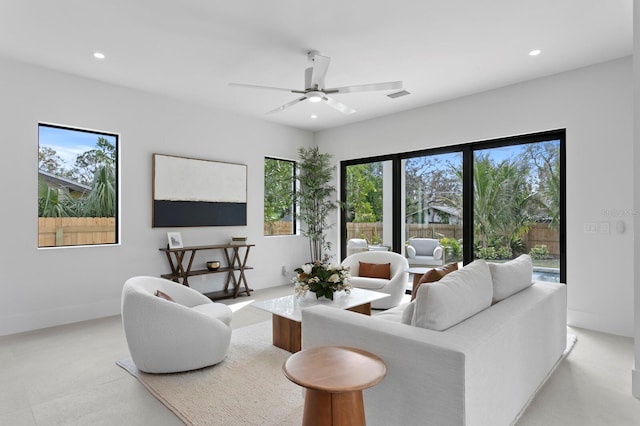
[287, 312]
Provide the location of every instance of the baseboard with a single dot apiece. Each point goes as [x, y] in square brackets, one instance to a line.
[635, 382]
[598, 322]
[58, 316]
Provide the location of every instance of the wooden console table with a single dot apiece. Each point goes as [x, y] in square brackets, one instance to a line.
[235, 263]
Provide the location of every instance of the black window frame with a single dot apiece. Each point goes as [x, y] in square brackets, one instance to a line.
[294, 203]
[467, 149]
[117, 201]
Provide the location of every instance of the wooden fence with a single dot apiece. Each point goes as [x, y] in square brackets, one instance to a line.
[70, 231]
[539, 233]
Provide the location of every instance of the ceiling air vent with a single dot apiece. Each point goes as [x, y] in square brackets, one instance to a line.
[398, 94]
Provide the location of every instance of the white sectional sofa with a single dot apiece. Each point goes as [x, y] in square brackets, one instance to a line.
[479, 370]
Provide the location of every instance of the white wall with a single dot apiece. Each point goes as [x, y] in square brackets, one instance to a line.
[595, 105]
[41, 288]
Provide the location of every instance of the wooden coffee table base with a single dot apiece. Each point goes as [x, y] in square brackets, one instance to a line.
[287, 333]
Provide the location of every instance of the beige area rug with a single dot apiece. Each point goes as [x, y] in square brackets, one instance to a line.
[247, 388]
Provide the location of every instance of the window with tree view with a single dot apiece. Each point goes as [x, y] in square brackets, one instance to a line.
[491, 200]
[279, 197]
[77, 187]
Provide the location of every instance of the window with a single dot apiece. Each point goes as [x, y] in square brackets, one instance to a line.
[364, 209]
[433, 200]
[516, 204]
[77, 187]
[492, 200]
[279, 196]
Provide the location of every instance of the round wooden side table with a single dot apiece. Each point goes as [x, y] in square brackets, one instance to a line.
[334, 377]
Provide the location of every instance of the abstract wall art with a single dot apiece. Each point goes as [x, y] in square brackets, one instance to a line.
[192, 192]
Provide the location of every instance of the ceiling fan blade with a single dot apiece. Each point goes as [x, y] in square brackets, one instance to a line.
[287, 105]
[320, 66]
[338, 105]
[392, 85]
[253, 86]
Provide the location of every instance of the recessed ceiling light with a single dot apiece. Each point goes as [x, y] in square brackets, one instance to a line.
[98, 55]
[535, 52]
[314, 116]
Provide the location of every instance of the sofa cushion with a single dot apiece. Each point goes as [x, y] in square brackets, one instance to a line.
[394, 314]
[511, 277]
[368, 283]
[434, 275]
[456, 297]
[407, 313]
[375, 270]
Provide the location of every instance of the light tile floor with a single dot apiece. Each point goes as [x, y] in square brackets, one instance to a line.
[67, 375]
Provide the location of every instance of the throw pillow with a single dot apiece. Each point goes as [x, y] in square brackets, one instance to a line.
[375, 270]
[456, 297]
[165, 296]
[434, 275]
[511, 277]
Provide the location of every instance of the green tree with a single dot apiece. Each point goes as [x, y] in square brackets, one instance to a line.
[316, 198]
[431, 180]
[54, 202]
[364, 193]
[279, 184]
[95, 167]
[90, 162]
[49, 160]
[101, 200]
[503, 201]
[545, 159]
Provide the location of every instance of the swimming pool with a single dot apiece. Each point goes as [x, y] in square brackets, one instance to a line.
[546, 274]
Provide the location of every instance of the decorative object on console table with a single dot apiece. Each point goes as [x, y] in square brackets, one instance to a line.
[175, 240]
[190, 192]
[236, 263]
[322, 279]
[213, 265]
[239, 240]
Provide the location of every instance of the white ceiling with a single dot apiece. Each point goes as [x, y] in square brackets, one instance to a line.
[192, 49]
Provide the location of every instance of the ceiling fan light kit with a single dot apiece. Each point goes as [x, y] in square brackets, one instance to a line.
[314, 86]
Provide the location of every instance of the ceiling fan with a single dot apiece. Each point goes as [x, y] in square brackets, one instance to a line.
[314, 86]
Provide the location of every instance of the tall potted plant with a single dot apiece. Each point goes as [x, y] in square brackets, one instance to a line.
[316, 198]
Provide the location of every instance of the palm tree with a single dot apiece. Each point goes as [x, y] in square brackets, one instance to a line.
[54, 202]
[101, 200]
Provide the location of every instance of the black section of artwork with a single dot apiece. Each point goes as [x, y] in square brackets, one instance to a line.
[198, 213]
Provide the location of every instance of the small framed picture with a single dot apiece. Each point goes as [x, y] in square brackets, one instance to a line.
[175, 240]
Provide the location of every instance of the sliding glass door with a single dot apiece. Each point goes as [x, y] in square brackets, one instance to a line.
[516, 204]
[492, 200]
[433, 200]
[368, 204]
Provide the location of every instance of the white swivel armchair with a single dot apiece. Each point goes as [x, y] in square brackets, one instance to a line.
[167, 336]
[395, 286]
